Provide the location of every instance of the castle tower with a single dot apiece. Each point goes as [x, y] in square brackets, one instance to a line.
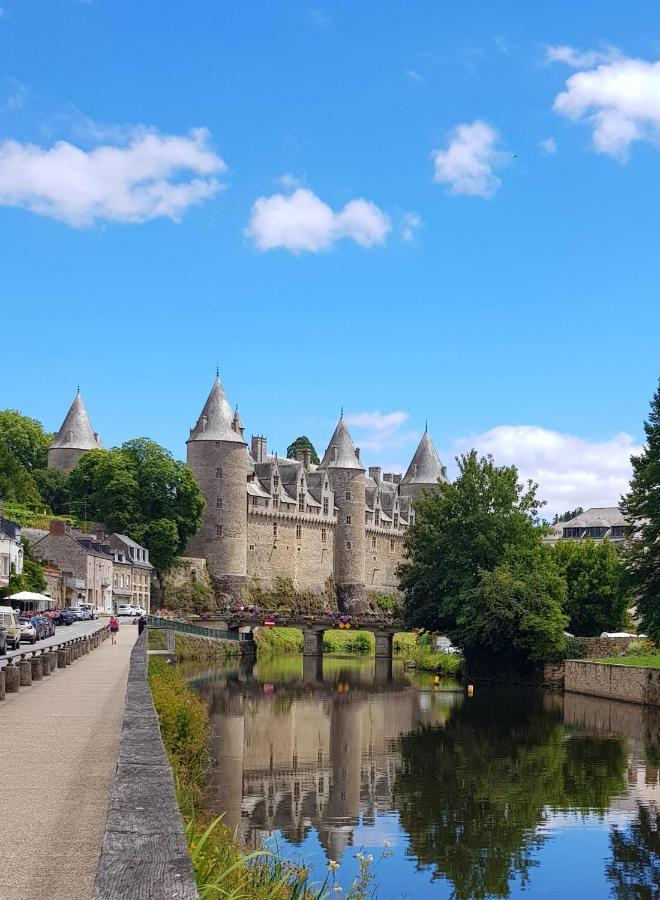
[218, 458]
[347, 480]
[425, 472]
[75, 437]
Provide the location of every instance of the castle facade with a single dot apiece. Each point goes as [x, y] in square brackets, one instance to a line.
[327, 526]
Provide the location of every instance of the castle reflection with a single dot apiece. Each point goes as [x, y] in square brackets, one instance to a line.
[317, 750]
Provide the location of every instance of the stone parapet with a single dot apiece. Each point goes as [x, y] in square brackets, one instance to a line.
[634, 684]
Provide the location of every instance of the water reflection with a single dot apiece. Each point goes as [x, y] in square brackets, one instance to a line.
[475, 793]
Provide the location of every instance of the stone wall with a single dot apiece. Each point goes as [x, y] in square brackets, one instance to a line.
[631, 683]
[599, 648]
[306, 560]
[382, 561]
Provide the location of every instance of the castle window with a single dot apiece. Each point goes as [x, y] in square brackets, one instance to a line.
[392, 545]
[276, 482]
[301, 502]
[218, 502]
[298, 532]
[348, 495]
[324, 535]
[218, 472]
[326, 506]
[377, 517]
[396, 520]
[348, 545]
[274, 531]
[218, 530]
[251, 546]
[349, 519]
[373, 543]
[275, 502]
[255, 501]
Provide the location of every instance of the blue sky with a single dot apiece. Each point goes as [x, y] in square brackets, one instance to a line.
[414, 210]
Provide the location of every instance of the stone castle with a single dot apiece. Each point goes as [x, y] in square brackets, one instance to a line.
[326, 527]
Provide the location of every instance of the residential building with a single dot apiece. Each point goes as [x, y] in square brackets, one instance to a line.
[11, 550]
[136, 558]
[598, 523]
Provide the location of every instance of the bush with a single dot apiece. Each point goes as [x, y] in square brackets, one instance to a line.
[386, 603]
[640, 648]
[278, 640]
[361, 643]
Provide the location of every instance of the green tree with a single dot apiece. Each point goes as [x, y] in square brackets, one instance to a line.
[25, 439]
[16, 483]
[634, 869]
[597, 597]
[303, 443]
[568, 515]
[641, 505]
[482, 520]
[139, 489]
[53, 487]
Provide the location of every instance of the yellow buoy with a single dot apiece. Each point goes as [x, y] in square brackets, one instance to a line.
[436, 679]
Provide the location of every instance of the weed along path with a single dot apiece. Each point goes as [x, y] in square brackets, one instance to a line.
[58, 741]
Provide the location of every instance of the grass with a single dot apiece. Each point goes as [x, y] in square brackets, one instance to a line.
[649, 662]
[187, 646]
[417, 652]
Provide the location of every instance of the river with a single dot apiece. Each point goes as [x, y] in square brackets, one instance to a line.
[508, 793]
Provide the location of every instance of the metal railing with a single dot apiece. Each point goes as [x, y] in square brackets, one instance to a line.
[197, 630]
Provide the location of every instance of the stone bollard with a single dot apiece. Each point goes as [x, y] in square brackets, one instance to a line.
[37, 668]
[45, 662]
[75, 651]
[53, 660]
[12, 679]
[26, 672]
[2, 685]
[61, 658]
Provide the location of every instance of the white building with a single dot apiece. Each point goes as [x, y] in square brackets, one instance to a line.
[11, 550]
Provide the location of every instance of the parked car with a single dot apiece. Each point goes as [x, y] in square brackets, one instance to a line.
[55, 617]
[28, 630]
[3, 640]
[76, 613]
[139, 611]
[89, 610]
[48, 624]
[83, 612]
[125, 609]
[67, 618]
[12, 626]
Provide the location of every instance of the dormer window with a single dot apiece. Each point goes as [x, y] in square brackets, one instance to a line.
[301, 502]
[335, 454]
[326, 506]
[276, 482]
[377, 517]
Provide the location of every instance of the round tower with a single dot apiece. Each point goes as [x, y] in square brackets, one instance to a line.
[347, 479]
[75, 437]
[217, 456]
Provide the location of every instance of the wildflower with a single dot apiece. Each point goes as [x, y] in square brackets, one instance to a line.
[333, 865]
[337, 889]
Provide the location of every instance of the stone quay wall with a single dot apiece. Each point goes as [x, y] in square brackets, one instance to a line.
[144, 852]
[633, 684]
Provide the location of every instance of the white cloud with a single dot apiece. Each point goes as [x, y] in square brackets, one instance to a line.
[288, 181]
[549, 146]
[132, 183]
[579, 59]
[467, 164]
[301, 222]
[376, 431]
[570, 471]
[410, 223]
[412, 75]
[619, 99]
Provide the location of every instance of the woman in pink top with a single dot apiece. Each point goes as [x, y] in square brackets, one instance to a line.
[114, 628]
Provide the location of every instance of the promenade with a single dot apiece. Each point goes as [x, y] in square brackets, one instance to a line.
[59, 740]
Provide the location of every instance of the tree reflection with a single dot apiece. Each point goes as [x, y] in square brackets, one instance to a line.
[634, 869]
[473, 795]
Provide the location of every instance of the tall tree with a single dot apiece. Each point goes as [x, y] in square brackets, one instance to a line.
[303, 443]
[568, 515]
[23, 449]
[141, 490]
[641, 505]
[597, 596]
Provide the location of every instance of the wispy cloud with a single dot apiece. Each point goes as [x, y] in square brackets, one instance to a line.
[414, 76]
[579, 59]
[467, 165]
[302, 222]
[145, 179]
[376, 432]
[410, 224]
[320, 18]
[570, 470]
[619, 99]
[548, 146]
[288, 182]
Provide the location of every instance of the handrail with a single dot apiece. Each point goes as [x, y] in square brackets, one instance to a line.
[18, 655]
[198, 630]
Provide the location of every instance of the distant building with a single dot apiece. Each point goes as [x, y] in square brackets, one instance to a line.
[136, 558]
[75, 437]
[598, 523]
[11, 550]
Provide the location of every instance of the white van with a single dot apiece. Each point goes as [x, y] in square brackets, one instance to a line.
[9, 618]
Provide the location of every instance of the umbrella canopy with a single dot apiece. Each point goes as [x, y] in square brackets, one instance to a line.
[30, 595]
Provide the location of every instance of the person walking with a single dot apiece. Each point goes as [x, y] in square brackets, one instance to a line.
[114, 628]
[142, 624]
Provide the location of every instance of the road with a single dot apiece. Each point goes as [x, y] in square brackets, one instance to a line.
[59, 742]
[62, 633]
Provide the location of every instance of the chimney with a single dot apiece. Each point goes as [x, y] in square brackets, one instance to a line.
[307, 458]
[396, 479]
[300, 455]
[57, 526]
[259, 448]
[375, 472]
[388, 477]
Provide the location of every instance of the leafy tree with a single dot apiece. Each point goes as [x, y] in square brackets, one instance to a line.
[53, 487]
[641, 505]
[483, 520]
[16, 483]
[303, 443]
[634, 869]
[139, 489]
[568, 515]
[25, 439]
[597, 598]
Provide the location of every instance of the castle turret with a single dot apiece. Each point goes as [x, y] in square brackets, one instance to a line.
[425, 472]
[75, 437]
[347, 480]
[217, 456]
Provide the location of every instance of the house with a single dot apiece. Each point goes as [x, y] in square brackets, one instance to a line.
[11, 550]
[598, 523]
[136, 558]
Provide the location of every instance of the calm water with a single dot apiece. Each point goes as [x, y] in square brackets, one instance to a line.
[509, 793]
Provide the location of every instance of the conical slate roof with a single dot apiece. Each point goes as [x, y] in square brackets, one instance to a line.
[76, 432]
[341, 453]
[215, 421]
[425, 467]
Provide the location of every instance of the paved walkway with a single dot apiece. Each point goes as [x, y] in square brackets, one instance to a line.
[58, 750]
